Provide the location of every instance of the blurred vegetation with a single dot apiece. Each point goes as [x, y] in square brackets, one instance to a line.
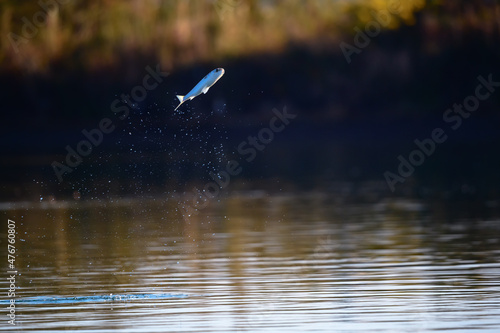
[101, 33]
[70, 68]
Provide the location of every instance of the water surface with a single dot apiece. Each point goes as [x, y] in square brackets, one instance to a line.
[253, 263]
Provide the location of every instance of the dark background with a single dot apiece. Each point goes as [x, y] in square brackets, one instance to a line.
[353, 119]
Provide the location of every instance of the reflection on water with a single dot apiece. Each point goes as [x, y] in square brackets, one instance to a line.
[254, 263]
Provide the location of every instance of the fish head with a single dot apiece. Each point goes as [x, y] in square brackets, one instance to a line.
[215, 75]
[219, 71]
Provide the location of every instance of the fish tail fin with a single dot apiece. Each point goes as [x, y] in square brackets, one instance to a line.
[181, 100]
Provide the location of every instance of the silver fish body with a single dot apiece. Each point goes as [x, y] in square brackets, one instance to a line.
[202, 86]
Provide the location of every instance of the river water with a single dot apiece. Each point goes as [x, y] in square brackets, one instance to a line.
[252, 263]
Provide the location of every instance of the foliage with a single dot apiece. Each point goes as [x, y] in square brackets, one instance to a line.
[101, 33]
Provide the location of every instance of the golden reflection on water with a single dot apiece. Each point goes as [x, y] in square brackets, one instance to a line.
[255, 259]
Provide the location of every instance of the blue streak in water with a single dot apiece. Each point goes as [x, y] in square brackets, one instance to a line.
[90, 299]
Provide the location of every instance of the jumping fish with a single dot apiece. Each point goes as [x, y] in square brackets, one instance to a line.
[202, 86]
